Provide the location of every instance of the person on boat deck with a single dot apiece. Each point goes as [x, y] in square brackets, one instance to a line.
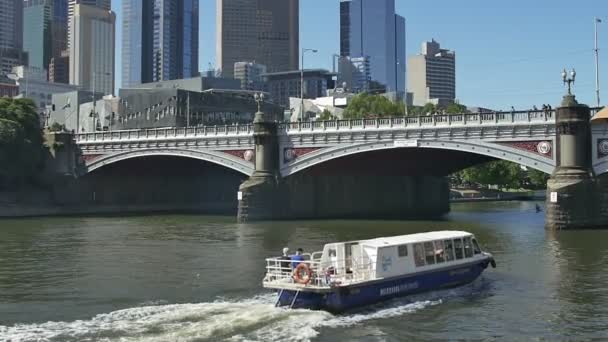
[298, 258]
[285, 264]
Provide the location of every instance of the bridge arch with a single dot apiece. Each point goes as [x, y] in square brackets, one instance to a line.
[218, 158]
[498, 151]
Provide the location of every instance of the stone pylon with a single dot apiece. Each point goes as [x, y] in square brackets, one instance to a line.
[572, 201]
[262, 196]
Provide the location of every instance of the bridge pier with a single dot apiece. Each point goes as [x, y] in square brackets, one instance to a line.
[262, 196]
[573, 192]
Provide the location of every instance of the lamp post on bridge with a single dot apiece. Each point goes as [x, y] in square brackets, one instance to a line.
[302, 82]
[572, 191]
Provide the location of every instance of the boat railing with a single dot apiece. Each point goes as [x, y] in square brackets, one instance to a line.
[323, 274]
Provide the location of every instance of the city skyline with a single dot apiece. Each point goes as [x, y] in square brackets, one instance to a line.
[525, 60]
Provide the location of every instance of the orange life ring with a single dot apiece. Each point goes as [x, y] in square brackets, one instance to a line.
[297, 274]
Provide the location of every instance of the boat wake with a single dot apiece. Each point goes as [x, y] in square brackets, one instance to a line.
[253, 319]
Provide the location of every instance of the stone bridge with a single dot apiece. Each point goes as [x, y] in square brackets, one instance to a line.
[524, 137]
[381, 167]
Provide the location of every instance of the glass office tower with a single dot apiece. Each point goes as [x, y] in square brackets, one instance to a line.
[371, 29]
[37, 32]
[159, 40]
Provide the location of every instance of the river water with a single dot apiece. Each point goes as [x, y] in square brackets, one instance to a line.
[193, 278]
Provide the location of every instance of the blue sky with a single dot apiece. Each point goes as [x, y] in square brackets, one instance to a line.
[508, 52]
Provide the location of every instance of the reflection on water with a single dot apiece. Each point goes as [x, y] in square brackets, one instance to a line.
[180, 277]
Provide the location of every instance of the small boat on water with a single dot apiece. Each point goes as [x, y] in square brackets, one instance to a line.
[347, 275]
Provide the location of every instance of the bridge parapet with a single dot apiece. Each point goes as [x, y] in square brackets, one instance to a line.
[166, 133]
[415, 122]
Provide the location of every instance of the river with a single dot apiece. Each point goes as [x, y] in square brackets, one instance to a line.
[196, 278]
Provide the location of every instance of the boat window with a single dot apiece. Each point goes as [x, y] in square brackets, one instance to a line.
[449, 250]
[332, 253]
[468, 248]
[476, 248]
[419, 254]
[429, 252]
[458, 249]
[439, 251]
[402, 250]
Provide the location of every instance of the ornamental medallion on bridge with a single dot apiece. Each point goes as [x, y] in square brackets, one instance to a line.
[247, 155]
[87, 158]
[541, 148]
[602, 148]
[291, 154]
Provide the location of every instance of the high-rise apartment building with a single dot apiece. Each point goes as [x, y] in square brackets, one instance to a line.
[103, 4]
[159, 40]
[250, 75]
[92, 48]
[59, 68]
[175, 41]
[262, 31]
[37, 37]
[59, 27]
[137, 34]
[432, 75]
[11, 36]
[371, 29]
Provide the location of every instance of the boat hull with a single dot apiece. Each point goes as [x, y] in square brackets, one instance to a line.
[344, 298]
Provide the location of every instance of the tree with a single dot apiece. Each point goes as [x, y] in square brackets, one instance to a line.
[456, 108]
[368, 106]
[538, 179]
[20, 141]
[326, 115]
[502, 173]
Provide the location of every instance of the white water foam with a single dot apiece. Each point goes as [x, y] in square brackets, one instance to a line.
[254, 319]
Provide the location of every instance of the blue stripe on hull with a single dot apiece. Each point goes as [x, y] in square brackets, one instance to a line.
[350, 297]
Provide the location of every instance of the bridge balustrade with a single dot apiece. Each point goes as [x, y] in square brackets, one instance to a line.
[164, 133]
[537, 116]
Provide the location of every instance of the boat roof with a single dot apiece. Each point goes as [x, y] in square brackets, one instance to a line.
[415, 238]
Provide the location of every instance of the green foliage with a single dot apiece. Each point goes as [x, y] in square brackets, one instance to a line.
[502, 173]
[505, 174]
[368, 106]
[326, 115]
[538, 179]
[456, 108]
[56, 127]
[20, 141]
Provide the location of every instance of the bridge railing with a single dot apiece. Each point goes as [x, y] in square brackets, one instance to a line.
[165, 133]
[522, 117]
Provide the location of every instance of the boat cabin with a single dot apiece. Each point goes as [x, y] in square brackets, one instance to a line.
[398, 255]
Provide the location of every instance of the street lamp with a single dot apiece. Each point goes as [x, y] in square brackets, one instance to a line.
[302, 82]
[569, 80]
[94, 97]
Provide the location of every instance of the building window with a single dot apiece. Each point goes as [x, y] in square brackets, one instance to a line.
[449, 250]
[458, 249]
[468, 248]
[419, 254]
[429, 252]
[402, 250]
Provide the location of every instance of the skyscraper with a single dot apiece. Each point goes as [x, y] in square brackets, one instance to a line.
[37, 37]
[92, 48]
[159, 40]
[11, 36]
[261, 31]
[103, 4]
[371, 29]
[432, 75]
[175, 41]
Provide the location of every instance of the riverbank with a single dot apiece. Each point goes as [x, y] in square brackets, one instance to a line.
[490, 195]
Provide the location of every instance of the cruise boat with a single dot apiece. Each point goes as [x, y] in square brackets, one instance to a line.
[347, 275]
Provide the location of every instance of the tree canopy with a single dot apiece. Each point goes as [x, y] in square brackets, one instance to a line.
[504, 174]
[20, 141]
[366, 105]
